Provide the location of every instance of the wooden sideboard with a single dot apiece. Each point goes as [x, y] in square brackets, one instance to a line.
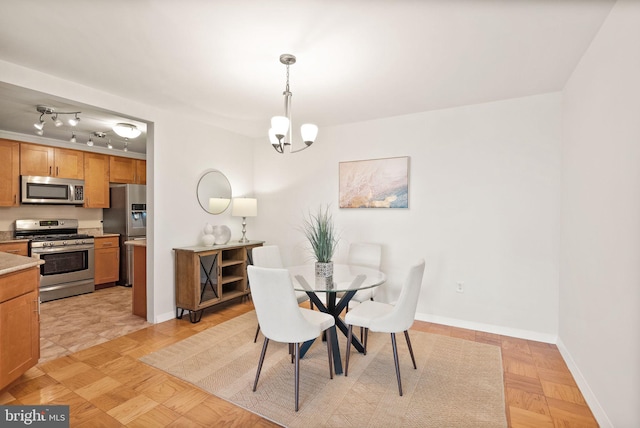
[207, 276]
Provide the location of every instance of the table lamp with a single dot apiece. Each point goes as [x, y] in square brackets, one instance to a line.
[244, 207]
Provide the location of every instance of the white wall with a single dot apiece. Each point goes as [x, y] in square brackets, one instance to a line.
[483, 208]
[180, 149]
[600, 245]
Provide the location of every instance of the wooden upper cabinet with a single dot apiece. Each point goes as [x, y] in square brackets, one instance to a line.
[127, 170]
[141, 171]
[9, 173]
[51, 161]
[69, 163]
[96, 180]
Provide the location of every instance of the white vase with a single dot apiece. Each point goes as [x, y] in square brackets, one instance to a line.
[208, 229]
[208, 240]
[222, 234]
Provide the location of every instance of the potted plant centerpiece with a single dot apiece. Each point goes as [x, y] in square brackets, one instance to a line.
[320, 232]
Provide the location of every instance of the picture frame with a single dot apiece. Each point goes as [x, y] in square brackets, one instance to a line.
[374, 183]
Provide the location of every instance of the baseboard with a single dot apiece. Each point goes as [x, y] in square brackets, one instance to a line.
[164, 317]
[587, 393]
[489, 328]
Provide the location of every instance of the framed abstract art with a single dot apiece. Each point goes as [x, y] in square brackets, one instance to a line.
[375, 183]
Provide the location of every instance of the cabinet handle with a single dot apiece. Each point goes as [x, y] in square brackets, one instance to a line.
[107, 244]
[15, 199]
[49, 170]
[57, 171]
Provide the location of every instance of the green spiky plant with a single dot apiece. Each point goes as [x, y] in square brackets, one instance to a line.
[321, 234]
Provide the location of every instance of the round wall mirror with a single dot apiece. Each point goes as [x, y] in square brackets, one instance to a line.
[214, 192]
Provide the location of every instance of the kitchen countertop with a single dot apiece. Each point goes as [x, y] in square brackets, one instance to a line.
[13, 263]
[106, 235]
[8, 241]
[137, 242]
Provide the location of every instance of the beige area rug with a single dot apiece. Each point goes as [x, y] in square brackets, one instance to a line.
[458, 383]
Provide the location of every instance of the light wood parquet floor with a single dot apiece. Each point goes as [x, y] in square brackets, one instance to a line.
[106, 386]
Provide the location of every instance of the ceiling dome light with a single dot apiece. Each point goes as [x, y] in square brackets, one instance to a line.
[126, 130]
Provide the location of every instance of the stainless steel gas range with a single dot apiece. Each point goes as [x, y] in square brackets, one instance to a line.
[69, 257]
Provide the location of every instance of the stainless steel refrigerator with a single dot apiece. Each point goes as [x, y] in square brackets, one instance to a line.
[127, 216]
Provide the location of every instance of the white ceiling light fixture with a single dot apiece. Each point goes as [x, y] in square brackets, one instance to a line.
[280, 132]
[73, 138]
[54, 116]
[90, 142]
[126, 130]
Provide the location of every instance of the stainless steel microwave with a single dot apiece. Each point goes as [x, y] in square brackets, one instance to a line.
[51, 191]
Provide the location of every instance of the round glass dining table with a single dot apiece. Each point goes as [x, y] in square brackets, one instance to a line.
[346, 281]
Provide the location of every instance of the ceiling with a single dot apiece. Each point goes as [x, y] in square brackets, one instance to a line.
[217, 61]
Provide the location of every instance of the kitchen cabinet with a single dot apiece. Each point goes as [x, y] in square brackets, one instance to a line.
[127, 170]
[19, 323]
[106, 261]
[96, 180]
[49, 161]
[207, 276]
[9, 173]
[19, 248]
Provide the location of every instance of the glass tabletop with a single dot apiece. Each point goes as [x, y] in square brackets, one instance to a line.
[345, 278]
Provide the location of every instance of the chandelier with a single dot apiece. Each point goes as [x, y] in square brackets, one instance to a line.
[280, 132]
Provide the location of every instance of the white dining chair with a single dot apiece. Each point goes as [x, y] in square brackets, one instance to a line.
[386, 318]
[269, 256]
[282, 320]
[367, 255]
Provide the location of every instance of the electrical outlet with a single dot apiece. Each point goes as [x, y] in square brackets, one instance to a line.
[460, 287]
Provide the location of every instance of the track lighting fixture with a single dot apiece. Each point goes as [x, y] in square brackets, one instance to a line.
[73, 138]
[54, 117]
[126, 148]
[90, 142]
[74, 120]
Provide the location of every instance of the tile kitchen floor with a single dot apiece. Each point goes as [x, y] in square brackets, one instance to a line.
[79, 322]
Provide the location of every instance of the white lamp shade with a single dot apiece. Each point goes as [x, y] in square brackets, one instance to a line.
[126, 130]
[272, 138]
[218, 205]
[280, 125]
[244, 207]
[309, 132]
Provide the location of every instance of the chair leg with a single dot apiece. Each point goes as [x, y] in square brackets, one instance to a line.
[362, 335]
[348, 351]
[297, 372]
[255, 339]
[366, 339]
[262, 354]
[330, 352]
[395, 359]
[406, 335]
[291, 352]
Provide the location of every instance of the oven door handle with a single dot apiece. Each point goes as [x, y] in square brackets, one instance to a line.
[63, 249]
